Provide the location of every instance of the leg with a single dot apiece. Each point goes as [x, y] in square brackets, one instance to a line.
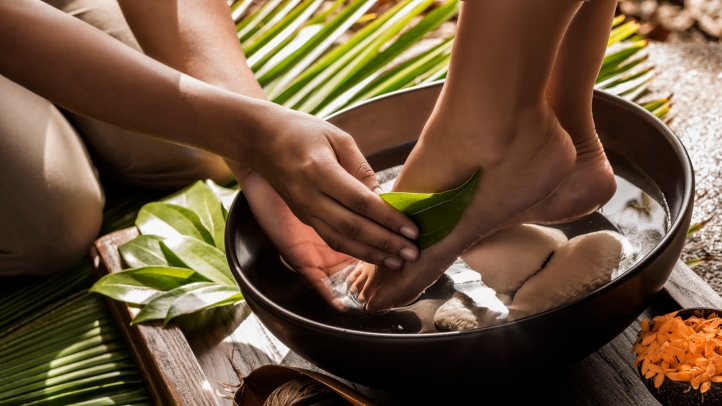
[51, 203]
[569, 93]
[123, 155]
[493, 116]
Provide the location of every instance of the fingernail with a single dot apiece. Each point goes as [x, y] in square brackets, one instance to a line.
[409, 232]
[394, 263]
[409, 254]
[378, 190]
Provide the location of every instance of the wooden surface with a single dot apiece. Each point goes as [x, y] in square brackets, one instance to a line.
[197, 360]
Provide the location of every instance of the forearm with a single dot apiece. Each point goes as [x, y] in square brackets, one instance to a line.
[195, 37]
[84, 70]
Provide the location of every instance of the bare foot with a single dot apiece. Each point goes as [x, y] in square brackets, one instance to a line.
[587, 188]
[522, 162]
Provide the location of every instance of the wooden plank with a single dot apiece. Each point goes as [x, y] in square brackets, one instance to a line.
[165, 358]
[218, 345]
[689, 290]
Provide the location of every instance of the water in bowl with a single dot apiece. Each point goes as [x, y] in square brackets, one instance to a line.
[637, 211]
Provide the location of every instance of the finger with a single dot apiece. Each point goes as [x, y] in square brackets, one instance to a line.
[319, 282]
[364, 230]
[351, 159]
[352, 194]
[339, 242]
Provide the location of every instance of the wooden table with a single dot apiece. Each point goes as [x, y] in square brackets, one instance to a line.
[197, 360]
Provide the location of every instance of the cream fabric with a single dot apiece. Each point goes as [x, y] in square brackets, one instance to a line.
[50, 199]
[51, 203]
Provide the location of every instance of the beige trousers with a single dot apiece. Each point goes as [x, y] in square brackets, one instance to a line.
[51, 202]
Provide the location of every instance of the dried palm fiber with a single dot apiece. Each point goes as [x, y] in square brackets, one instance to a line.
[304, 391]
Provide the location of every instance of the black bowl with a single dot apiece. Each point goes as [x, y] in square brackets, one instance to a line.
[385, 130]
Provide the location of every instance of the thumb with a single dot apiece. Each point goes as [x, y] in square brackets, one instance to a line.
[351, 159]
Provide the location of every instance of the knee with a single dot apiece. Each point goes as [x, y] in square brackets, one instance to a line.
[53, 239]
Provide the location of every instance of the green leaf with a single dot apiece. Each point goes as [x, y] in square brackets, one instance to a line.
[206, 205]
[246, 27]
[326, 66]
[623, 32]
[140, 285]
[406, 72]
[295, 63]
[143, 251]
[225, 195]
[367, 51]
[168, 220]
[436, 214]
[273, 39]
[207, 260]
[157, 309]
[238, 8]
[614, 59]
[200, 299]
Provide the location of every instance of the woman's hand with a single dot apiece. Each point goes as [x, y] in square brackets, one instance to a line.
[326, 182]
[298, 243]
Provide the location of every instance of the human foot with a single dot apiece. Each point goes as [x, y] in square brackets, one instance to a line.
[587, 188]
[522, 161]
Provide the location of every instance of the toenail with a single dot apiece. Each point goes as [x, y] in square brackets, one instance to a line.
[394, 263]
[409, 232]
[409, 254]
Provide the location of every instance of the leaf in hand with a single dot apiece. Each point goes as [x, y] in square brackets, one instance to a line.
[143, 251]
[157, 308]
[170, 220]
[203, 258]
[206, 205]
[436, 214]
[200, 299]
[140, 285]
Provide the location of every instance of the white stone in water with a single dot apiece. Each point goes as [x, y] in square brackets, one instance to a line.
[462, 313]
[580, 266]
[509, 257]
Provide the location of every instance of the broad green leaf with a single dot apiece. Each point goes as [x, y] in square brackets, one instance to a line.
[436, 214]
[294, 64]
[206, 205]
[169, 220]
[143, 251]
[225, 195]
[200, 299]
[140, 285]
[157, 309]
[207, 260]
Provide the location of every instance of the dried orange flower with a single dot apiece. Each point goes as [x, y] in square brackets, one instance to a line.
[681, 350]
